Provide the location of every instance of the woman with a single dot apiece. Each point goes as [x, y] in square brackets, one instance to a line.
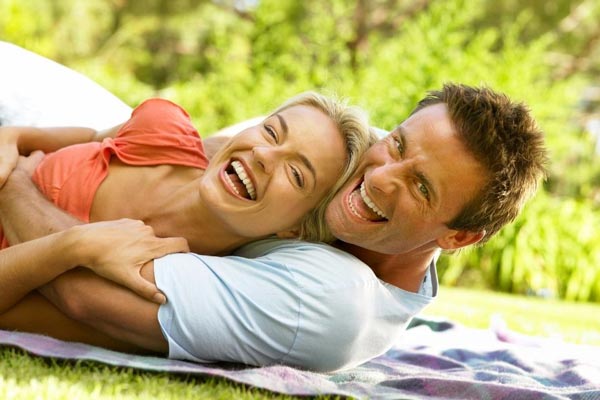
[159, 159]
[272, 178]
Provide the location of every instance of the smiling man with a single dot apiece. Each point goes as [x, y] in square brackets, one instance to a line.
[451, 175]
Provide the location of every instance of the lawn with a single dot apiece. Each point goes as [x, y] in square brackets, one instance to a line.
[26, 377]
[568, 321]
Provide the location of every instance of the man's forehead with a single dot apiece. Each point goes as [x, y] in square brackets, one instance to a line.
[433, 119]
[379, 132]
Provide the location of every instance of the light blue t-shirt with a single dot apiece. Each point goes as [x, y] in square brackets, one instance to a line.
[282, 302]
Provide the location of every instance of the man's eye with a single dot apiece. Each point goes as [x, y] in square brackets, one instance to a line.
[271, 132]
[298, 177]
[399, 146]
[424, 191]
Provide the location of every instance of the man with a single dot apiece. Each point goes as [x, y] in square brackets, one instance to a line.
[451, 175]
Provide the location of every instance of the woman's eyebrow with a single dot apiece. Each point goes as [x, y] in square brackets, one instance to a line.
[284, 126]
[303, 158]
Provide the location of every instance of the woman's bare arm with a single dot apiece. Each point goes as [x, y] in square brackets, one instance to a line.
[81, 295]
[27, 266]
[22, 140]
[116, 250]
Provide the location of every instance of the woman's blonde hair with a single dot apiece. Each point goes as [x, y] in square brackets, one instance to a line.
[352, 123]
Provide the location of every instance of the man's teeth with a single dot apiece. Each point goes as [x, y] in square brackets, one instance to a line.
[369, 202]
[241, 172]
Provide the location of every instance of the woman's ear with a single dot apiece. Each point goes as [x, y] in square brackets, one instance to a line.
[458, 239]
[291, 234]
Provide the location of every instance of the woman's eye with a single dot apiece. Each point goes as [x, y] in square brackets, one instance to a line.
[271, 132]
[298, 177]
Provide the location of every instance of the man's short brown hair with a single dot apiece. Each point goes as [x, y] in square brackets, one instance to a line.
[503, 136]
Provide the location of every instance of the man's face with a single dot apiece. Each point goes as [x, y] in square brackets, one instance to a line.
[407, 187]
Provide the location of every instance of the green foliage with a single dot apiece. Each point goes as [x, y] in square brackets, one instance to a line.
[550, 250]
[225, 63]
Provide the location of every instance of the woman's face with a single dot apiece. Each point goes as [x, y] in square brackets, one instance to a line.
[267, 177]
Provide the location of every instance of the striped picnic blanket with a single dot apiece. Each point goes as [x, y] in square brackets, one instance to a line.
[434, 360]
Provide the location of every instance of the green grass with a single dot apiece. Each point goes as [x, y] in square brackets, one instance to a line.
[571, 322]
[26, 377]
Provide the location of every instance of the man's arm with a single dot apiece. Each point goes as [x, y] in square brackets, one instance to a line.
[108, 307]
[36, 314]
[24, 211]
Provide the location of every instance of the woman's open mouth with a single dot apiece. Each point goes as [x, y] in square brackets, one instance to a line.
[239, 181]
[361, 205]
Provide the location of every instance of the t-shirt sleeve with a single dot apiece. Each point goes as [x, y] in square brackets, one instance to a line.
[227, 309]
[285, 302]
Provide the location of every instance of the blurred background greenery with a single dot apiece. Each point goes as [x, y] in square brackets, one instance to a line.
[228, 60]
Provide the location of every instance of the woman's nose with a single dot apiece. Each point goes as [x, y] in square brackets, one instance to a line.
[266, 157]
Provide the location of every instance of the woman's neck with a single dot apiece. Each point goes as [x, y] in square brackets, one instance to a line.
[183, 213]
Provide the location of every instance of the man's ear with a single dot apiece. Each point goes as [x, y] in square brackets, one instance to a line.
[456, 239]
[291, 234]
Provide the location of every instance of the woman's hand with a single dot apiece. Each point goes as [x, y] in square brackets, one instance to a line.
[117, 250]
[9, 152]
[29, 164]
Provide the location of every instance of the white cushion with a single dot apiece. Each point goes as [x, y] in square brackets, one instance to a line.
[39, 92]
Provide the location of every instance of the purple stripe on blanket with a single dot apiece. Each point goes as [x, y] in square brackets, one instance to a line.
[433, 360]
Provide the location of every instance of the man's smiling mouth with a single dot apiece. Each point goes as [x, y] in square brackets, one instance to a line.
[363, 207]
[237, 178]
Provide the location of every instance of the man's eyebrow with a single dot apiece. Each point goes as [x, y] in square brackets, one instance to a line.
[303, 158]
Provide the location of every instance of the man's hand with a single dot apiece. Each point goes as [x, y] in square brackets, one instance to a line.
[117, 250]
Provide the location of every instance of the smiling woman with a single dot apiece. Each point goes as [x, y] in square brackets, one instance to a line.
[271, 178]
[279, 169]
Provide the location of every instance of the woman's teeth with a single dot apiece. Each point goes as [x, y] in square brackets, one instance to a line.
[241, 173]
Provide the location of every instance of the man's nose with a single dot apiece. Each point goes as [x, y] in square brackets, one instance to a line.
[388, 177]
